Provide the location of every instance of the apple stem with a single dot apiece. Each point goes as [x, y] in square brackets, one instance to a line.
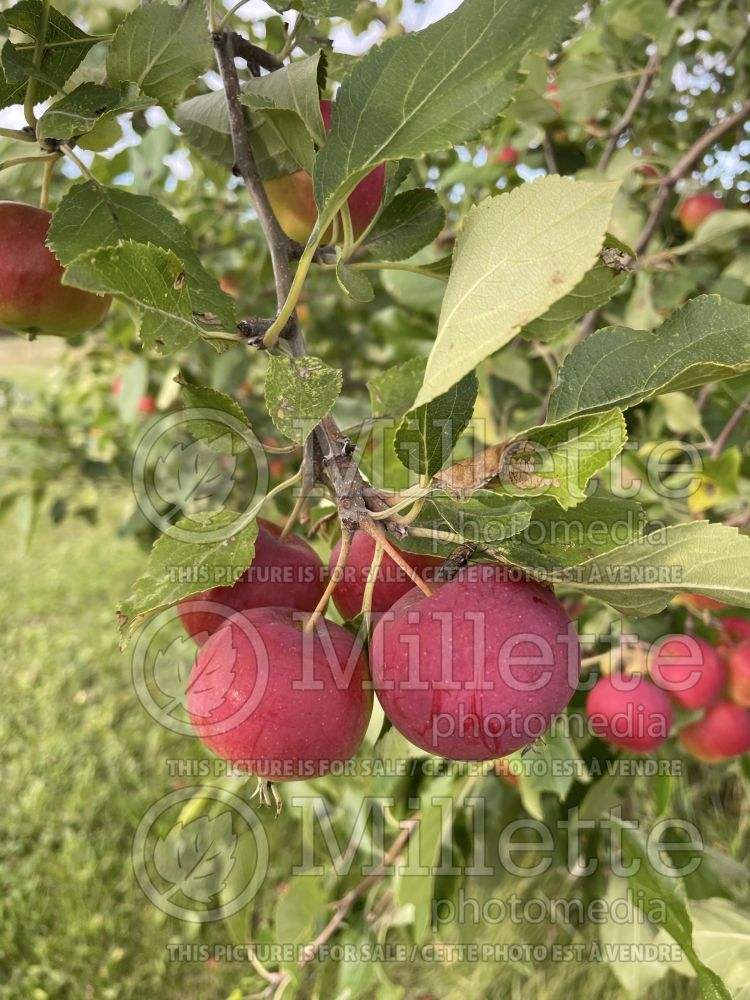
[338, 572]
[376, 532]
[49, 166]
[292, 519]
[370, 585]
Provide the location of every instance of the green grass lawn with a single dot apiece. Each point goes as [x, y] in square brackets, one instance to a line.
[81, 762]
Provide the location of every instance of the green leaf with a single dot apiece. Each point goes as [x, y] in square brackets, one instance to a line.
[707, 340]
[555, 766]
[148, 277]
[431, 89]
[293, 88]
[415, 881]
[595, 289]
[485, 518]
[330, 8]
[58, 62]
[298, 911]
[356, 284]
[642, 577]
[243, 872]
[204, 121]
[217, 434]
[91, 216]
[516, 254]
[655, 893]
[392, 392]
[721, 937]
[78, 112]
[555, 538]
[622, 938]
[426, 436]
[172, 571]
[162, 48]
[299, 393]
[558, 460]
[411, 221]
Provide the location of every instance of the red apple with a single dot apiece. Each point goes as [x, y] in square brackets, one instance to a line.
[736, 628]
[293, 202]
[629, 711]
[647, 169]
[32, 297]
[722, 733]
[699, 602]
[508, 155]
[738, 663]
[276, 701]
[689, 669]
[698, 207]
[390, 585]
[282, 574]
[479, 668]
[147, 404]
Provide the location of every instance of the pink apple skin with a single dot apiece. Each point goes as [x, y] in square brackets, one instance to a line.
[722, 733]
[288, 573]
[736, 628]
[689, 669]
[391, 583]
[508, 155]
[478, 669]
[699, 602]
[698, 207]
[294, 205]
[738, 663]
[630, 712]
[277, 702]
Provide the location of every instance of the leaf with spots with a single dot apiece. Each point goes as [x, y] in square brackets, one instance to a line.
[299, 393]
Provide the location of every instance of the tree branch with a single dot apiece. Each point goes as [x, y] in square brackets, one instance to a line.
[726, 432]
[638, 96]
[354, 496]
[683, 165]
[345, 904]
[254, 55]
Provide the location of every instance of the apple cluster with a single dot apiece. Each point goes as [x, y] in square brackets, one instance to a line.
[706, 684]
[470, 668]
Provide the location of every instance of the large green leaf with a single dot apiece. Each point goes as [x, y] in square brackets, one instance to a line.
[77, 113]
[60, 58]
[147, 277]
[218, 433]
[204, 121]
[596, 288]
[708, 339]
[642, 577]
[293, 88]
[484, 518]
[393, 391]
[431, 89]
[655, 892]
[516, 254]
[411, 221]
[426, 436]
[172, 571]
[91, 216]
[554, 538]
[555, 460]
[162, 47]
[299, 393]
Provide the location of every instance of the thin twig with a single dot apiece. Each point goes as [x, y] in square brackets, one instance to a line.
[638, 96]
[549, 155]
[730, 426]
[345, 904]
[683, 165]
[253, 54]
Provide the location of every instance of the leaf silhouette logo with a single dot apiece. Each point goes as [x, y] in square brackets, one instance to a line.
[215, 677]
[191, 473]
[196, 858]
[171, 671]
